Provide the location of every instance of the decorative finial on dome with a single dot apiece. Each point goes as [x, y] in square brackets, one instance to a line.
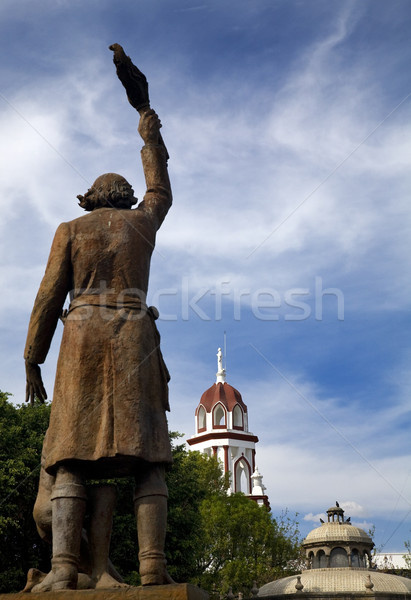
[369, 584]
[220, 371]
[299, 586]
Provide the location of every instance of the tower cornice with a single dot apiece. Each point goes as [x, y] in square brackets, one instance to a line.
[218, 435]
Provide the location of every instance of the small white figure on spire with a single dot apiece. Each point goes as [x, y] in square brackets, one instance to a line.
[220, 371]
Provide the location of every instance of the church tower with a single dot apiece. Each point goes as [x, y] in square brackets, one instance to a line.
[221, 425]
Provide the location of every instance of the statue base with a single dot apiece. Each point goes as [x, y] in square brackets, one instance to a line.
[174, 591]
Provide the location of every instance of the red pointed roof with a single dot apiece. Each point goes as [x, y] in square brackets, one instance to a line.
[224, 393]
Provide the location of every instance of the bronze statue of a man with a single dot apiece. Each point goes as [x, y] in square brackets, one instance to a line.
[111, 386]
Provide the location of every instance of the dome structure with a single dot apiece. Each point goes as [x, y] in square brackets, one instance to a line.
[221, 406]
[338, 561]
[337, 543]
[345, 532]
[225, 394]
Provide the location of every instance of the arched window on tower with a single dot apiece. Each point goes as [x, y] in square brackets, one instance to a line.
[238, 418]
[201, 422]
[219, 416]
[242, 476]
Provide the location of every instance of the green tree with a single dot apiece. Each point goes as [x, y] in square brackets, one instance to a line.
[407, 555]
[242, 543]
[192, 478]
[22, 430]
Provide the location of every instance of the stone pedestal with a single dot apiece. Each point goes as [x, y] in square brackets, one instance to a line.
[176, 591]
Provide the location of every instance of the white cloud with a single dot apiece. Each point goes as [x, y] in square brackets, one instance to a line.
[365, 525]
[353, 509]
[315, 518]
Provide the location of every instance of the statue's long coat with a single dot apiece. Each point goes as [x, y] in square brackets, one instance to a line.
[110, 392]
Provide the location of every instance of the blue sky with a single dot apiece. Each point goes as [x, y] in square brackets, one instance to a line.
[288, 128]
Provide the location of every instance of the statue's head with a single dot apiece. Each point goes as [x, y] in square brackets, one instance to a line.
[108, 190]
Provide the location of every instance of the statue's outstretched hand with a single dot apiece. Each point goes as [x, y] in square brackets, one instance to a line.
[149, 127]
[34, 383]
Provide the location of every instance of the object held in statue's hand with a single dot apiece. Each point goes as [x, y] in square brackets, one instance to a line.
[132, 78]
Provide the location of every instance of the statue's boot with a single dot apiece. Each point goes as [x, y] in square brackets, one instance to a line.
[68, 509]
[151, 517]
[34, 578]
[102, 499]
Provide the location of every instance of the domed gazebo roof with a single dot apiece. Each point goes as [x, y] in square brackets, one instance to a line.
[337, 543]
[337, 581]
[337, 532]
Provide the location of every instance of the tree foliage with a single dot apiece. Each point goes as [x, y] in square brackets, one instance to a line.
[243, 543]
[407, 555]
[192, 478]
[21, 437]
[214, 539]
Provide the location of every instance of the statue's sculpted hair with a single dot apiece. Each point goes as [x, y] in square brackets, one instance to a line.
[109, 190]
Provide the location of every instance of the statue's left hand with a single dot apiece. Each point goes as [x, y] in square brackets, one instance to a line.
[149, 127]
[34, 383]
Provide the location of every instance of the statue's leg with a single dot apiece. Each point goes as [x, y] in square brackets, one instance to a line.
[42, 507]
[68, 509]
[42, 517]
[102, 500]
[150, 504]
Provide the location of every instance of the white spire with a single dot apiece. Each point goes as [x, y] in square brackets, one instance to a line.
[220, 371]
